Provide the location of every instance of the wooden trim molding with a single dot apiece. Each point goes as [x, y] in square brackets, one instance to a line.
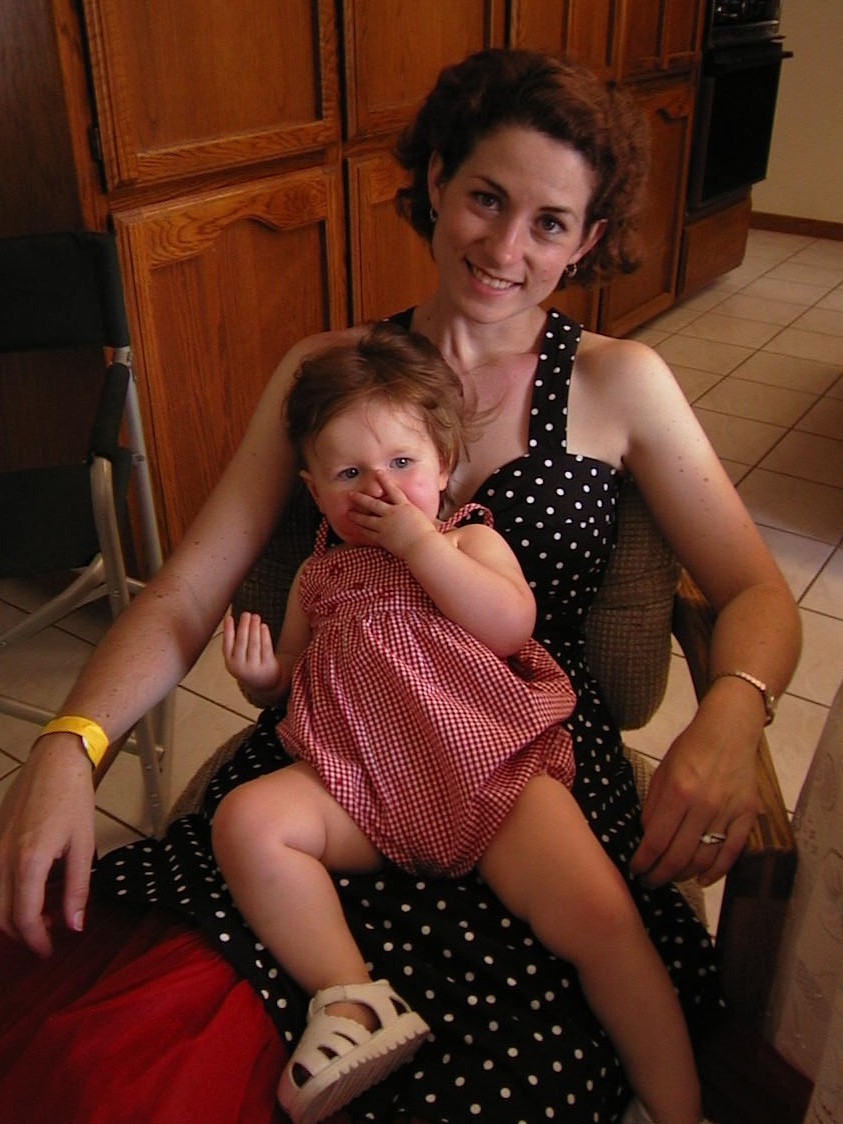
[791, 224]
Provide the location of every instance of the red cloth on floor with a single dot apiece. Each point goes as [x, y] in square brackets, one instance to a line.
[136, 1021]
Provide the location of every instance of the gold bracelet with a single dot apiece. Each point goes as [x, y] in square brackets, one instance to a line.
[770, 700]
[94, 738]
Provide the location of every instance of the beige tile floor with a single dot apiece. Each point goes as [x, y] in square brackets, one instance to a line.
[760, 356]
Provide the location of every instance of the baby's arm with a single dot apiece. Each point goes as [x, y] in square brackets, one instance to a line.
[470, 573]
[474, 579]
[264, 674]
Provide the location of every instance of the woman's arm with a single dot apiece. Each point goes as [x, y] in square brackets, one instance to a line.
[470, 573]
[47, 815]
[706, 782]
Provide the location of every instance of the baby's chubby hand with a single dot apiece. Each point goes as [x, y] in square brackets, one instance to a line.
[248, 652]
[391, 520]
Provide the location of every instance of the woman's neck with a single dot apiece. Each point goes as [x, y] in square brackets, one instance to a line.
[471, 346]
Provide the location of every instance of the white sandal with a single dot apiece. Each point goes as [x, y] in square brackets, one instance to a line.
[338, 1058]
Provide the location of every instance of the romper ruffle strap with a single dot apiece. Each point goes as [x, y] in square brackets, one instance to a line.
[461, 515]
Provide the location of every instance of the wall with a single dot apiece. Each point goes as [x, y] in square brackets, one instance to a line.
[806, 164]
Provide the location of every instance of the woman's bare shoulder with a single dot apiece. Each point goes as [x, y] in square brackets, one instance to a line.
[602, 357]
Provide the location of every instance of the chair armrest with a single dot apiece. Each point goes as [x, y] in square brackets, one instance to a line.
[105, 432]
[760, 883]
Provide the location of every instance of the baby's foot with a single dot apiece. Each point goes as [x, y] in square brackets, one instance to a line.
[338, 1058]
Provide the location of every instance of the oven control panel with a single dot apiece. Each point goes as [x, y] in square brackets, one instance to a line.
[742, 20]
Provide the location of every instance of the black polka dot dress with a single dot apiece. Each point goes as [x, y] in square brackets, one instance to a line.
[513, 1040]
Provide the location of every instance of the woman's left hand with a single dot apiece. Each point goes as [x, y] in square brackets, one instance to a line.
[704, 789]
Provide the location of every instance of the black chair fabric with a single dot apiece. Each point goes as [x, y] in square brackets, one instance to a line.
[57, 291]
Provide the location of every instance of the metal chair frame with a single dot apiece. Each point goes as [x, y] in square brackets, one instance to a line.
[105, 574]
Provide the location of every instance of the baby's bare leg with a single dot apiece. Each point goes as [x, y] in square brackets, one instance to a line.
[547, 867]
[275, 840]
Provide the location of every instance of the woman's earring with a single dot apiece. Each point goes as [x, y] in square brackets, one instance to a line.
[434, 215]
[571, 270]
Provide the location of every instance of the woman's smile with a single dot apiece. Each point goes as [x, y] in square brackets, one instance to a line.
[501, 284]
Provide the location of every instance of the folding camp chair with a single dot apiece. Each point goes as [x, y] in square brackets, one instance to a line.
[63, 291]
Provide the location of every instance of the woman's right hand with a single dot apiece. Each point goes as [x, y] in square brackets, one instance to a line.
[47, 816]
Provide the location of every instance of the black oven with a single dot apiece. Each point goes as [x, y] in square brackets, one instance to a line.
[736, 102]
[730, 22]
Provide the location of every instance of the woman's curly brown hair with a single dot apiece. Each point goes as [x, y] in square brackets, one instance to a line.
[564, 101]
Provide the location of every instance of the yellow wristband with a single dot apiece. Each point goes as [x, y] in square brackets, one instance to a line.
[94, 738]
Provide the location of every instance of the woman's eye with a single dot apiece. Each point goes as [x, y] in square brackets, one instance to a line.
[549, 224]
[486, 199]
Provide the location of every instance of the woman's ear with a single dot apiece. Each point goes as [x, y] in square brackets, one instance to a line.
[590, 240]
[434, 179]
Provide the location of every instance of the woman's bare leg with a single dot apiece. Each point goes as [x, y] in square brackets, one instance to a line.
[276, 839]
[547, 867]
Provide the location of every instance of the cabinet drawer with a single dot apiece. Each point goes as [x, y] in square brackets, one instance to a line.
[713, 245]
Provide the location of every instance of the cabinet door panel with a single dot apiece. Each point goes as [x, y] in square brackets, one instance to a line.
[584, 30]
[391, 266]
[660, 36]
[643, 30]
[219, 286]
[395, 48]
[199, 85]
[683, 33]
[631, 300]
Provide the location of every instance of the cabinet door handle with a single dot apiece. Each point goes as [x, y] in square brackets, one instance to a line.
[676, 108]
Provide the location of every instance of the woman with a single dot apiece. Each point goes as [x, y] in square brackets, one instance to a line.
[524, 171]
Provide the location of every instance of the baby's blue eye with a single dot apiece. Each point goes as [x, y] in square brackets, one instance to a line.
[401, 462]
[349, 474]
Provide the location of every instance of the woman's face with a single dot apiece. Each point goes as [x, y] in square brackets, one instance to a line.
[367, 439]
[510, 220]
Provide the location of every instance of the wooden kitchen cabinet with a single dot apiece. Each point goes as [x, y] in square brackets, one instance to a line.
[206, 85]
[222, 283]
[391, 267]
[622, 40]
[660, 36]
[630, 300]
[394, 50]
[244, 155]
[585, 30]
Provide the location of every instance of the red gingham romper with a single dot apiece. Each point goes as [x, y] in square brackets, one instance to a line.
[417, 729]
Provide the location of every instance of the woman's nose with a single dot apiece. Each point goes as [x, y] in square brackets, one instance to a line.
[506, 241]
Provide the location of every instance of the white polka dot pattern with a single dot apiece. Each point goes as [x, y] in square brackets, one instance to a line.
[514, 1041]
